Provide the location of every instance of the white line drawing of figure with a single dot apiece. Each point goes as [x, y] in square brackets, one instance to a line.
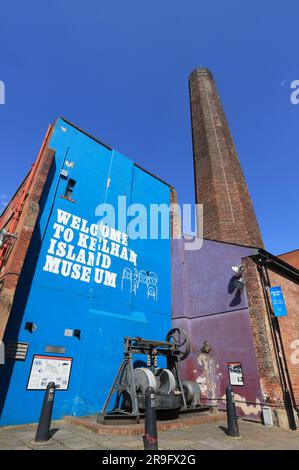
[151, 292]
[127, 275]
[149, 279]
[135, 284]
[142, 278]
[152, 289]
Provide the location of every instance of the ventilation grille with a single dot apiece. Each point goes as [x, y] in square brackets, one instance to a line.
[16, 351]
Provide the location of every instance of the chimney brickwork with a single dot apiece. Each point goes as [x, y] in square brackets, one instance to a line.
[228, 213]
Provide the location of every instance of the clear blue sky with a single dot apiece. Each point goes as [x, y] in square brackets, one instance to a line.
[119, 69]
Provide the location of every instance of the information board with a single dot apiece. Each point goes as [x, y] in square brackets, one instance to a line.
[47, 369]
[235, 373]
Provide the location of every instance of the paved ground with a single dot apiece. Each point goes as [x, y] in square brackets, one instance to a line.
[204, 437]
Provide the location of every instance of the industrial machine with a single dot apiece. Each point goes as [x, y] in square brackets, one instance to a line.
[132, 379]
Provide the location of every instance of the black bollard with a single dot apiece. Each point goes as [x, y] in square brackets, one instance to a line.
[150, 438]
[42, 433]
[232, 421]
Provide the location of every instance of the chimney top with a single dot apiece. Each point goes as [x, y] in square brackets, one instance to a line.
[200, 72]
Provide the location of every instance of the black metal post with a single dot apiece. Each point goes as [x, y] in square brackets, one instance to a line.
[150, 438]
[232, 422]
[42, 433]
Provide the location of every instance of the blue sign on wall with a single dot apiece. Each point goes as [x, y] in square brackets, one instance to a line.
[278, 302]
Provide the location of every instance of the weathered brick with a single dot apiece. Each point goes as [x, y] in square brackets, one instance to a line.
[28, 215]
[265, 336]
[228, 213]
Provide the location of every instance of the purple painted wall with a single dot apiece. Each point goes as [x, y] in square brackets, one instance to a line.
[206, 305]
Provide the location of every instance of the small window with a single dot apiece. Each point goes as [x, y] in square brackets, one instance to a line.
[70, 189]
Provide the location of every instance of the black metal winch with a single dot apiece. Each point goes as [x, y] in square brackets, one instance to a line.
[172, 395]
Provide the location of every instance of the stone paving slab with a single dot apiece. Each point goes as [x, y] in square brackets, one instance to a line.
[209, 436]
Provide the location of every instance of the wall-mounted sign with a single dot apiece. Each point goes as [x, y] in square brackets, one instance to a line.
[55, 349]
[45, 369]
[235, 373]
[278, 303]
[87, 252]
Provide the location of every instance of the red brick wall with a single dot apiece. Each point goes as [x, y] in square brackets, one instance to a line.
[289, 328]
[228, 213]
[11, 271]
[291, 258]
[262, 335]
[175, 219]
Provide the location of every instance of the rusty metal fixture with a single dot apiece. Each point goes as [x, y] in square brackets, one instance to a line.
[191, 392]
[181, 339]
[206, 348]
[6, 237]
[165, 381]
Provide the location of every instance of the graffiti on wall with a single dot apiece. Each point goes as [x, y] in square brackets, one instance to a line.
[207, 378]
[137, 278]
[85, 252]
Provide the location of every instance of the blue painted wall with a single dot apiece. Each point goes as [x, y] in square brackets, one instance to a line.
[56, 302]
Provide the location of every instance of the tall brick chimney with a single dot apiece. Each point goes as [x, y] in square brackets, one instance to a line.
[228, 213]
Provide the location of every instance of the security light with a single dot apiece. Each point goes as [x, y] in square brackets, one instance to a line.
[77, 334]
[239, 284]
[30, 326]
[237, 270]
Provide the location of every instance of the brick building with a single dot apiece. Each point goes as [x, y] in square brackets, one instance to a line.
[235, 319]
[235, 336]
[20, 217]
[219, 182]
[71, 287]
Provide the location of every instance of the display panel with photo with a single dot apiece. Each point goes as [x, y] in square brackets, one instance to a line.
[235, 373]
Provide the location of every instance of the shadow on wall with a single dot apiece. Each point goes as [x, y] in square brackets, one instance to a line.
[232, 289]
[23, 291]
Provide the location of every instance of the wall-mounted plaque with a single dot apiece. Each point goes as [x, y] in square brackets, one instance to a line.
[45, 369]
[235, 373]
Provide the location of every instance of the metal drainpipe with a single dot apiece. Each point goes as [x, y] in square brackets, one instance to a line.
[279, 352]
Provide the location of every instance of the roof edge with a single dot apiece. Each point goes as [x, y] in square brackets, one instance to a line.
[278, 265]
[111, 148]
[86, 133]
